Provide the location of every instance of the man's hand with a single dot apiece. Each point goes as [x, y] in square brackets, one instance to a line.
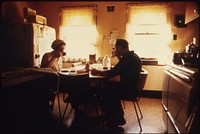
[94, 72]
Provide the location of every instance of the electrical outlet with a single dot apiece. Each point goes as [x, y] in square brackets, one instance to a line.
[110, 8]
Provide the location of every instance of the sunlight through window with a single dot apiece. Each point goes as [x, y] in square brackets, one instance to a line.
[78, 30]
[149, 32]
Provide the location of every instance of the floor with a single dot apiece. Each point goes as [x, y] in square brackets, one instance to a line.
[151, 122]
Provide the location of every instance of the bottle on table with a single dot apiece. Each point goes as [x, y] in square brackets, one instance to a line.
[106, 62]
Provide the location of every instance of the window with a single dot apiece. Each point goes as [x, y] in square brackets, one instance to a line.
[78, 30]
[148, 30]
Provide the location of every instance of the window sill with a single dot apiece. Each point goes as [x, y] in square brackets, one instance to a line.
[149, 61]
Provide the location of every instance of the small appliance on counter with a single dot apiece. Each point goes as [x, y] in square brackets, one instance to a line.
[178, 56]
[190, 57]
[192, 54]
[31, 16]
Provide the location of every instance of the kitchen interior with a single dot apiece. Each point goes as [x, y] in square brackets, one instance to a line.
[167, 42]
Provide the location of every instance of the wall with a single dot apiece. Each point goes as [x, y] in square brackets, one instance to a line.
[12, 12]
[184, 35]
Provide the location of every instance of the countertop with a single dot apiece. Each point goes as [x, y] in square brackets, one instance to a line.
[13, 76]
[188, 69]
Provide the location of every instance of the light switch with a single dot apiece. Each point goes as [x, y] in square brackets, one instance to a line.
[175, 37]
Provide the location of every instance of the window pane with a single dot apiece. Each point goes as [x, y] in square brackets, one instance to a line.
[80, 41]
[149, 32]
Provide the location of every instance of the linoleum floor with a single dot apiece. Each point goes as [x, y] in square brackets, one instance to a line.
[151, 122]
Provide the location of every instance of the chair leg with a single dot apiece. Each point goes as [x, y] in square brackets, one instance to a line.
[51, 108]
[137, 116]
[59, 105]
[97, 110]
[139, 109]
[61, 120]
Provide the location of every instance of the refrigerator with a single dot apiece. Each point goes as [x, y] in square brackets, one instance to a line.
[24, 44]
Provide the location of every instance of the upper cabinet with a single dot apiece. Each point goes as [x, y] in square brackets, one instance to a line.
[192, 11]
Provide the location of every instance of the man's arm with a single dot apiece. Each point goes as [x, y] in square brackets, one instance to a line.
[99, 72]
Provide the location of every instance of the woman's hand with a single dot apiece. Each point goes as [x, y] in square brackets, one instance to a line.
[59, 54]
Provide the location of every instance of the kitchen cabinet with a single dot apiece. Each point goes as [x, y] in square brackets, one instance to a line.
[25, 100]
[155, 77]
[191, 11]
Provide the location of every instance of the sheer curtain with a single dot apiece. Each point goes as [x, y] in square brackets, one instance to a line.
[78, 30]
[148, 29]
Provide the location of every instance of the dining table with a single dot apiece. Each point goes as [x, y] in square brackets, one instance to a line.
[96, 80]
[69, 77]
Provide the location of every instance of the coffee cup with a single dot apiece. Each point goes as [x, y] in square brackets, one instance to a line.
[64, 53]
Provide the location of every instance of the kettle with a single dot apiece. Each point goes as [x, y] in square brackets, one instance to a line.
[177, 57]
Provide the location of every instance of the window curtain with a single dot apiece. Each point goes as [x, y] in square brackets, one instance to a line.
[78, 30]
[148, 29]
[78, 17]
[149, 13]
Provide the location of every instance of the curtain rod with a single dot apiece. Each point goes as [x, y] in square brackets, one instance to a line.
[78, 6]
[148, 3]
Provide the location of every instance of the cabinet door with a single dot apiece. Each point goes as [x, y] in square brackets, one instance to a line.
[179, 99]
[165, 88]
[191, 11]
[154, 83]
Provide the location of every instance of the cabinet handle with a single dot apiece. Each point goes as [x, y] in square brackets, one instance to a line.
[173, 122]
[182, 76]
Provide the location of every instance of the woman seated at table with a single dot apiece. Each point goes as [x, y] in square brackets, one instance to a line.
[128, 68]
[53, 59]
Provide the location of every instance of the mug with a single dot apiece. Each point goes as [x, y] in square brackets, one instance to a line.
[92, 58]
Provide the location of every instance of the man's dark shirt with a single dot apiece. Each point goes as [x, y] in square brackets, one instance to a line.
[128, 68]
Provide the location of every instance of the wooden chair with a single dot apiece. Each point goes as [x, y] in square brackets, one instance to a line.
[52, 96]
[140, 86]
[52, 80]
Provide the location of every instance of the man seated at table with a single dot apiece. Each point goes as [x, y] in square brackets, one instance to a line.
[128, 68]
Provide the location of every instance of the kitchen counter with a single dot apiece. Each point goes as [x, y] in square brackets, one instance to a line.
[188, 69]
[149, 61]
[14, 76]
[25, 99]
[18, 80]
